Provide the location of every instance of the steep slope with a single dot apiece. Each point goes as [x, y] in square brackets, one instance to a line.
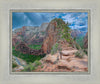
[86, 40]
[51, 37]
[29, 34]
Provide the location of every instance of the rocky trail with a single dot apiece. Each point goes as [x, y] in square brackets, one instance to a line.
[67, 62]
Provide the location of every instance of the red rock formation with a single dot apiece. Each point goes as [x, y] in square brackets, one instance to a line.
[22, 47]
[15, 40]
[86, 40]
[51, 37]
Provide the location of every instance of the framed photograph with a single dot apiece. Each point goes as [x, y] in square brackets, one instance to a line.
[50, 41]
[54, 42]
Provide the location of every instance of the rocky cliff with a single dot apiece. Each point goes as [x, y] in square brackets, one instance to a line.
[86, 40]
[28, 34]
[51, 37]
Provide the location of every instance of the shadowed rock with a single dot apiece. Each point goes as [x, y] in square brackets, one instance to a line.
[22, 47]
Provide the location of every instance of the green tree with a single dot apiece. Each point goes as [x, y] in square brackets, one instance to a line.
[66, 32]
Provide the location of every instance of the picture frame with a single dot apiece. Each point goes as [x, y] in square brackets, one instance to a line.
[92, 76]
[51, 11]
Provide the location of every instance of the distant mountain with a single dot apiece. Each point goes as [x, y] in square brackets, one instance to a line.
[76, 33]
[29, 34]
[43, 27]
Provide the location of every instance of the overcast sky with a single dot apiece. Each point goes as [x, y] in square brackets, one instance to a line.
[78, 20]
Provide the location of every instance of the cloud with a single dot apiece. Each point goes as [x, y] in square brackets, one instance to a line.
[78, 20]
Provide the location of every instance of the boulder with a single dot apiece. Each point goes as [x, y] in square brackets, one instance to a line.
[51, 59]
[19, 68]
[68, 52]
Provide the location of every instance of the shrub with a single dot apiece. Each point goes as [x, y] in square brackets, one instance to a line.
[74, 38]
[29, 68]
[54, 48]
[63, 29]
[85, 51]
[77, 46]
[37, 63]
[14, 65]
[42, 66]
[79, 54]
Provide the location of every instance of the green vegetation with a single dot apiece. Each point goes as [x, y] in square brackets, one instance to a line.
[77, 46]
[54, 48]
[79, 54]
[74, 38]
[86, 51]
[32, 66]
[36, 47]
[28, 58]
[63, 30]
[79, 40]
[37, 63]
[29, 68]
[59, 21]
[65, 33]
[42, 66]
[14, 65]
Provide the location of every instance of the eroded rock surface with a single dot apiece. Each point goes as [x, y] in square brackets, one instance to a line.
[86, 40]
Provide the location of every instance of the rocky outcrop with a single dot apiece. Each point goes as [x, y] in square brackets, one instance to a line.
[22, 47]
[86, 40]
[51, 37]
[29, 38]
[15, 40]
[44, 26]
[29, 34]
[70, 63]
[37, 41]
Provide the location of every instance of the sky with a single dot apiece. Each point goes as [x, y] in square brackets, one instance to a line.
[78, 20]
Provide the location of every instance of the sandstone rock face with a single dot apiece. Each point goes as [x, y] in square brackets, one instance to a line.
[86, 40]
[70, 63]
[44, 26]
[15, 39]
[29, 34]
[51, 59]
[51, 37]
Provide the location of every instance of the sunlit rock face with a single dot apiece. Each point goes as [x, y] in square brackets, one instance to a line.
[51, 37]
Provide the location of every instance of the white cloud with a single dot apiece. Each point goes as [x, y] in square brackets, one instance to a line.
[68, 18]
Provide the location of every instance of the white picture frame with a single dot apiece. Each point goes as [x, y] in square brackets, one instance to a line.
[7, 78]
